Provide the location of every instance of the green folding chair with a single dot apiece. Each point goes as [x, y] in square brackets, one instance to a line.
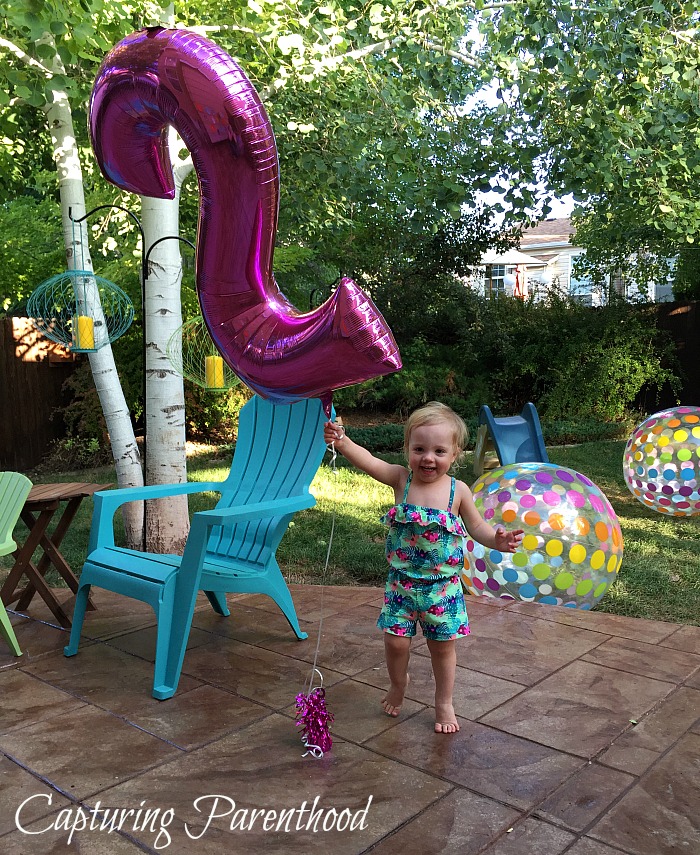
[14, 489]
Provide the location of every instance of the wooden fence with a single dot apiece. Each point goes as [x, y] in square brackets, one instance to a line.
[32, 373]
[682, 322]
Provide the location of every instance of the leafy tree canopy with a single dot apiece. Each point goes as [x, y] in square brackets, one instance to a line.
[613, 90]
[382, 114]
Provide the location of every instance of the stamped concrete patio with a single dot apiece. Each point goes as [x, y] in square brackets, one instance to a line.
[580, 734]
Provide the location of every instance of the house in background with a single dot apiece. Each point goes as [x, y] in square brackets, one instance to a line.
[509, 272]
[550, 242]
[546, 256]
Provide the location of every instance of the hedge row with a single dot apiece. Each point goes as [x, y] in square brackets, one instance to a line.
[389, 437]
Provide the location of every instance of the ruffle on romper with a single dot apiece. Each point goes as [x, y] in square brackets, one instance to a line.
[424, 517]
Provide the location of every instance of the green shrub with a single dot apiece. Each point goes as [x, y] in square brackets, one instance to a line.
[75, 453]
[378, 438]
[573, 362]
[212, 417]
[388, 438]
[83, 414]
[587, 430]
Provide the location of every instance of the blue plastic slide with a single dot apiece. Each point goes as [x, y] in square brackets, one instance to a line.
[517, 439]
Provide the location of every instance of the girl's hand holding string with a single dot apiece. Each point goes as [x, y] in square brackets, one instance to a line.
[333, 433]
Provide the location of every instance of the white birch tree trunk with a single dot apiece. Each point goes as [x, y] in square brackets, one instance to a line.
[125, 451]
[167, 520]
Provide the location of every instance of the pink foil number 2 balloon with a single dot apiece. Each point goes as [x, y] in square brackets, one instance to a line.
[159, 77]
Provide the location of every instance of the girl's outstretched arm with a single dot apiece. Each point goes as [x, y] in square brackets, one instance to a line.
[386, 473]
[493, 537]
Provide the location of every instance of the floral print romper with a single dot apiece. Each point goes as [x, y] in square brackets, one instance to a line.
[425, 551]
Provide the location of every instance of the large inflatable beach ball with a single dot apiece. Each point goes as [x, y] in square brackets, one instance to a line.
[661, 463]
[572, 544]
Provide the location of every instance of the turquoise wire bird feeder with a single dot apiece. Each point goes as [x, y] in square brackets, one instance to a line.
[193, 354]
[80, 310]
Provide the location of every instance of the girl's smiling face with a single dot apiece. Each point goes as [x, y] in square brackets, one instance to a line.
[431, 451]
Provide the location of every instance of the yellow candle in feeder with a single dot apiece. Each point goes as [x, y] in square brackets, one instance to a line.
[85, 333]
[214, 372]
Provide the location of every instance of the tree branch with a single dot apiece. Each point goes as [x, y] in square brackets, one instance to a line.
[454, 54]
[359, 54]
[25, 57]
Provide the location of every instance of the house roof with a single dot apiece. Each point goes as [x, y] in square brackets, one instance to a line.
[548, 233]
[510, 256]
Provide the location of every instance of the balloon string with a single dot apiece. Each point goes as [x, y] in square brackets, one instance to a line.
[312, 713]
[324, 575]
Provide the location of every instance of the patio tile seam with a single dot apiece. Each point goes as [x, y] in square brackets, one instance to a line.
[582, 832]
[613, 848]
[28, 658]
[111, 635]
[626, 669]
[523, 816]
[528, 686]
[552, 618]
[585, 757]
[661, 754]
[84, 698]
[586, 832]
[408, 821]
[523, 813]
[583, 762]
[18, 728]
[132, 777]
[613, 667]
[44, 780]
[127, 722]
[205, 681]
[86, 702]
[55, 811]
[679, 630]
[45, 621]
[677, 688]
[531, 814]
[306, 661]
[582, 758]
[639, 779]
[123, 717]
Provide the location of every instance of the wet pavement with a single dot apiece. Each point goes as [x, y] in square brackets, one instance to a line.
[580, 734]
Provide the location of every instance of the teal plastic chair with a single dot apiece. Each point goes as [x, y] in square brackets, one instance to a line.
[14, 489]
[230, 549]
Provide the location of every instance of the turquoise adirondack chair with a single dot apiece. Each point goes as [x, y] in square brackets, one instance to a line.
[14, 489]
[229, 549]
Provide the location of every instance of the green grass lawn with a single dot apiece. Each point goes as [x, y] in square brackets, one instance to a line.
[659, 578]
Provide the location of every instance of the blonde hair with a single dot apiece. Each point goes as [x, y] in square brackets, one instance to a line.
[434, 413]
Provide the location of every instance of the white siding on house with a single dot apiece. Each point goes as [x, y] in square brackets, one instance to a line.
[550, 242]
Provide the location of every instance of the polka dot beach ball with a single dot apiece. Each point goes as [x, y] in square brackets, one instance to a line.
[661, 462]
[571, 550]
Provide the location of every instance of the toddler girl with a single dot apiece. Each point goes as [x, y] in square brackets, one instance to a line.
[424, 547]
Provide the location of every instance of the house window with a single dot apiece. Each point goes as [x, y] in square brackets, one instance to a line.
[493, 280]
[582, 287]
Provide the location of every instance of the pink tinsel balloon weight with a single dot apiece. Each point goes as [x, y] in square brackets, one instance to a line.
[160, 77]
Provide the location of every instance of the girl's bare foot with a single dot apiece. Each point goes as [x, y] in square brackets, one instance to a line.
[445, 719]
[393, 699]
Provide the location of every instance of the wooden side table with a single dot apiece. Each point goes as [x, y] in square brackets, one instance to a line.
[43, 502]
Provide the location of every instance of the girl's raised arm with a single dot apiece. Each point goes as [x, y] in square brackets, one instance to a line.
[390, 474]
